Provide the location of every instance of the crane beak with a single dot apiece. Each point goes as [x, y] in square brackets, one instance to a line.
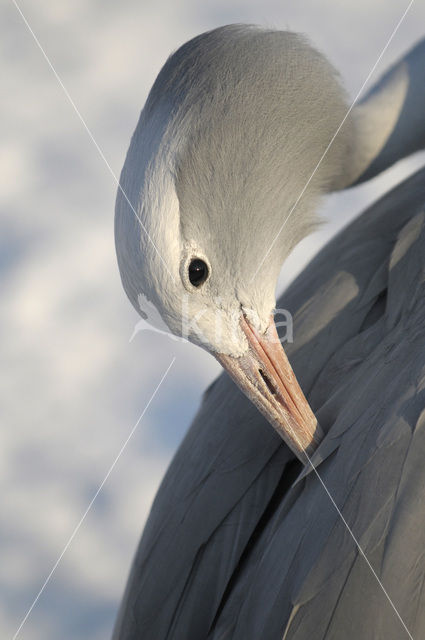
[267, 379]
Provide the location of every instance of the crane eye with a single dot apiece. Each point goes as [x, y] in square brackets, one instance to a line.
[198, 272]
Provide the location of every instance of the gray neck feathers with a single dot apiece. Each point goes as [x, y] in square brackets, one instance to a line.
[390, 120]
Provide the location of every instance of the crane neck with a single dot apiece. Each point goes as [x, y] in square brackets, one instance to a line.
[389, 122]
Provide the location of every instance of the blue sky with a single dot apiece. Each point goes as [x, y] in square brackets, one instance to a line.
[72, 384]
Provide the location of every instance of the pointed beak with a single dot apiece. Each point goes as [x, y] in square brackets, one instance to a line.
[267, 379]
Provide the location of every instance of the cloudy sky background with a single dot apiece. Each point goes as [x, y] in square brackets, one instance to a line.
[72, 386]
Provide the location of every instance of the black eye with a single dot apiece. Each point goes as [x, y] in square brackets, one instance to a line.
[198, 272]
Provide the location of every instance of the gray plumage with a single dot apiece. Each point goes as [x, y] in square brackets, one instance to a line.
[241, 542]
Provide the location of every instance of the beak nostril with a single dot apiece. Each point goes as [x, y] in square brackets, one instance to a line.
[267, 382]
